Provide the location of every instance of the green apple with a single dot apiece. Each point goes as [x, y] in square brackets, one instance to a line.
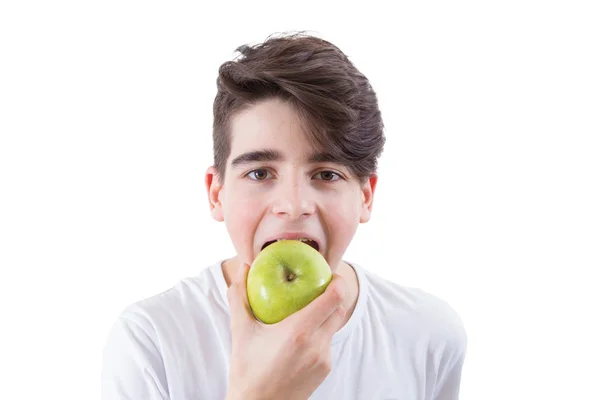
[285, 277]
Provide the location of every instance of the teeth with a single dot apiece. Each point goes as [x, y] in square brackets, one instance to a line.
[300, 239]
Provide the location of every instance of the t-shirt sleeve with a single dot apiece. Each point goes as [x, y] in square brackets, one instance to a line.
[132, 367]
[448, 380]
[448, 384]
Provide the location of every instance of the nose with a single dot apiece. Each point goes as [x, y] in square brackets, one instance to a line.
[293, 199]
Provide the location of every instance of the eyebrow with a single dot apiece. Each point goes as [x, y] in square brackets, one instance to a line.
[274, 155]
[257, 156]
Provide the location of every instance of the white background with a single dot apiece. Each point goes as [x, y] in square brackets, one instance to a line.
[489, 192]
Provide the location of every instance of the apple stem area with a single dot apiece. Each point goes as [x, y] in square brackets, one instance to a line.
[289, 275]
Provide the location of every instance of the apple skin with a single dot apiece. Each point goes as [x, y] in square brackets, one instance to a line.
[284, 278]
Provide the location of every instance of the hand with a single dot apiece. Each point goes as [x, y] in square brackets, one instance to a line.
[286, 360]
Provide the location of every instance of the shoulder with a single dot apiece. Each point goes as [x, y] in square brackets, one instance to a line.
[192, 296]
[417, 311]
[163, 325]
[132, 363]
[427, 326]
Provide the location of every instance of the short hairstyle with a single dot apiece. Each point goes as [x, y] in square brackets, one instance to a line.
[336, 103]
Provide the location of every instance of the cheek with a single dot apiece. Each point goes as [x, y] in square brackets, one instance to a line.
[242, 211]
[343, 215]
[344, 208]
[342, 218]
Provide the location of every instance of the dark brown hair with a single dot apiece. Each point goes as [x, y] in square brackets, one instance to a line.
[336, 102]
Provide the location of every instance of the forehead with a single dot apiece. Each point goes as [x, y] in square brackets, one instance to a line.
[271, 124]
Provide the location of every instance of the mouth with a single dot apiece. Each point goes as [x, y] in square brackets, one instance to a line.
[310, 242]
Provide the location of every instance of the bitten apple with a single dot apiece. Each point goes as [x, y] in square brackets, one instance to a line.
[285, 277]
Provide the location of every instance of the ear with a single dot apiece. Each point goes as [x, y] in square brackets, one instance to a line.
[212, 180]
[368, 192]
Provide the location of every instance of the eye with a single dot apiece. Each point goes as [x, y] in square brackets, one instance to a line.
[328, 176]
[259, 174]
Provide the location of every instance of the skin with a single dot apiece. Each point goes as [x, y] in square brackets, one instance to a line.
[259, 197]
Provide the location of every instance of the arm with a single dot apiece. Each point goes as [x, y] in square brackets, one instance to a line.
[132, 367]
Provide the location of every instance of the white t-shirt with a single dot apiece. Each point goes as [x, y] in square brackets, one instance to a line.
[400, 343]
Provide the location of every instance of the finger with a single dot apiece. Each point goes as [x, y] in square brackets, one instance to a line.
[333, 323]
[312, 316]
[238, 297]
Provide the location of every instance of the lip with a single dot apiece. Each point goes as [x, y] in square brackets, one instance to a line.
[294, 236]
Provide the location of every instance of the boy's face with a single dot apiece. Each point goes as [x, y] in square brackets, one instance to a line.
[276, 186]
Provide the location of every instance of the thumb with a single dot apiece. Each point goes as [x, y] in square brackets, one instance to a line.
[238, 298]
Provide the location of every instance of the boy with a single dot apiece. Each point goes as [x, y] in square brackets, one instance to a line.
[297, 134]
